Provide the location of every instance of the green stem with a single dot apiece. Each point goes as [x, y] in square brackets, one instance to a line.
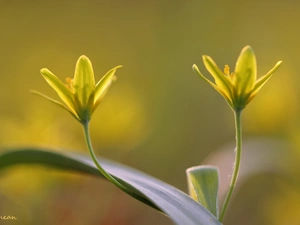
[92, 153]
[131, 192]
[238, 152]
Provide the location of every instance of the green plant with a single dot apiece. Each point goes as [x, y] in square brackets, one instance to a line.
[81, 96]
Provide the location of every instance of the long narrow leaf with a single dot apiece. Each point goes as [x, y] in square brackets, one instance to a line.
[177, 205]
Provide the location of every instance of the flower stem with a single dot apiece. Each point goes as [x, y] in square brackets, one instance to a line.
[129, 190]
[92, 153]
[238, 152]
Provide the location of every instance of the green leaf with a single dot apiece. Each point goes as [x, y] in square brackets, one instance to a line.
[203, 182]
[177, 205]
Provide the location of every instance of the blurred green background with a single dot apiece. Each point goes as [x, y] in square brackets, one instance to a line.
[158, 117]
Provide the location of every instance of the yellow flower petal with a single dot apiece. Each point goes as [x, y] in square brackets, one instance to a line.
[225, 95]
[55, 102]
[84, 81]
[63, 92]
[104, 83]
[221, 80]
[261, 81]
[240, 87]
[245, 71]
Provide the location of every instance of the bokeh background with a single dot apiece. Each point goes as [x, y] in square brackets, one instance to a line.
[158, 117]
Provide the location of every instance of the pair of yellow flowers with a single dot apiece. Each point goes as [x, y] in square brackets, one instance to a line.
[81, 95]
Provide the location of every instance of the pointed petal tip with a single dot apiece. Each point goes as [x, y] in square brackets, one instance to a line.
[196, 69]
[205, 57]
[84, 59]
[46, 73]
[197, 72]
[44, 70]
[248, 48]
[117, 67]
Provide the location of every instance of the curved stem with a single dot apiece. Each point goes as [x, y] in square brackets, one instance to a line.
[92, 153]
[129, 191]
[238, 130]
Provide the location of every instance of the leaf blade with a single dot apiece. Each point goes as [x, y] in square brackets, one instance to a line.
[203, 182]
[177, 205]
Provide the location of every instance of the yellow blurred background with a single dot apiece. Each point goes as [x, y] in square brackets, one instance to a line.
[158, 117]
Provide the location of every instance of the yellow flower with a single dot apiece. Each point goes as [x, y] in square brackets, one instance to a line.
[241, 86]
[80, 96]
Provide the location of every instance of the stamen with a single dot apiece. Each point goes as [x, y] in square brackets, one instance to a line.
[227, 70]
[232, 75]
[69, 83]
